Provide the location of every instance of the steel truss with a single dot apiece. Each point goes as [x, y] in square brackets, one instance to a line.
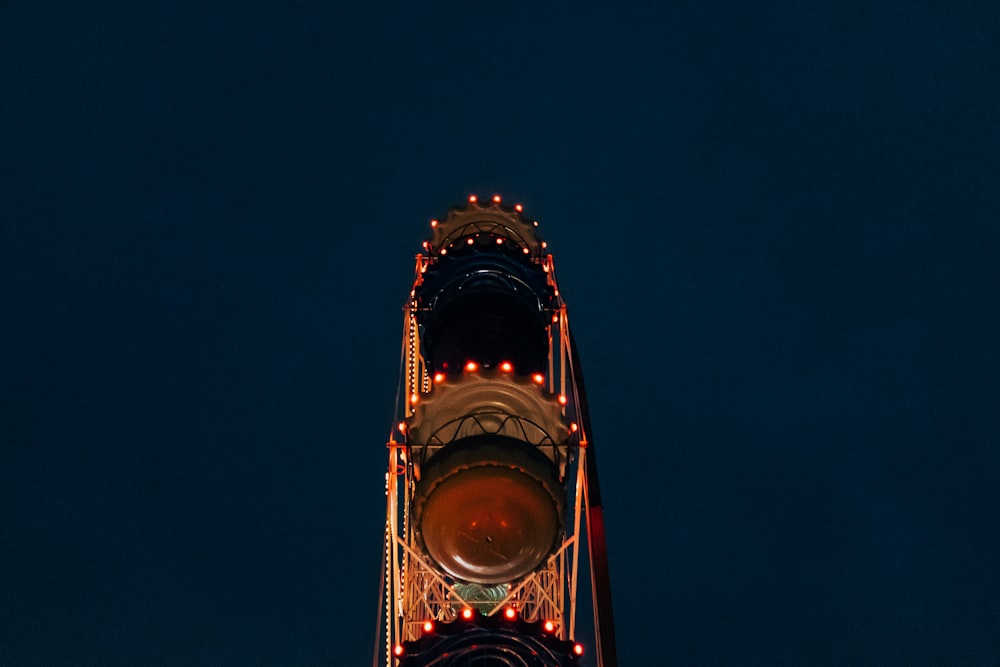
[416, 592]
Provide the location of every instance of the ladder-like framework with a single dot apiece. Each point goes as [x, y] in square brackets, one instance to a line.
[418, 593]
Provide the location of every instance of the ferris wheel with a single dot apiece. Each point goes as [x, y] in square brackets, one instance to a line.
[494, 525]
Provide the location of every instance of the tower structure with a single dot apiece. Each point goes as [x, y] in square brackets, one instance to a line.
[493, 508]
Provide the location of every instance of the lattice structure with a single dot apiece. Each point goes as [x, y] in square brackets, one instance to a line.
[491, 483]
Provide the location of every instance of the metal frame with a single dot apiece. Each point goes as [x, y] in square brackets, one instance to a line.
[414, 591]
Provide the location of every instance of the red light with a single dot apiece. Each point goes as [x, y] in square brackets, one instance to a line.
[470, 240]
[473, 199]
[444, 251]
[496, 199]
[555, 318]
[471, 367]
[434, 223]
[397, 650]
[428, 626]
[573, 427]
[549, 626]
[518, 208]
[510, 613]
[439, 377]
[544, 244]
[467, 613]
[506, 366]
[500, 241]
[402, 427]
[538, 378]
[526, 251]
[426, 245]
[562, 399]
[578, 649]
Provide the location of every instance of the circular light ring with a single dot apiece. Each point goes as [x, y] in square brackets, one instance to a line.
[490, 217]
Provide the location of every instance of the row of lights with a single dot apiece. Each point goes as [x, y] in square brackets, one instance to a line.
[500, 240]
[506, 367]
[470, 241]
[496, 200]
[509, 613]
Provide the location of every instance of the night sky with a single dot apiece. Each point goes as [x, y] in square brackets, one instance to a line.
[776, 228]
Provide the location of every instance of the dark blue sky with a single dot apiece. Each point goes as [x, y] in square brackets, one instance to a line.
[776, 228]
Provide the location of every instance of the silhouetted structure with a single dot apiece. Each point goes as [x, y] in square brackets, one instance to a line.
[492, 493]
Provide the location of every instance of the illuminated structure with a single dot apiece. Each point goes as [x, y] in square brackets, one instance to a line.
[491, 487]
